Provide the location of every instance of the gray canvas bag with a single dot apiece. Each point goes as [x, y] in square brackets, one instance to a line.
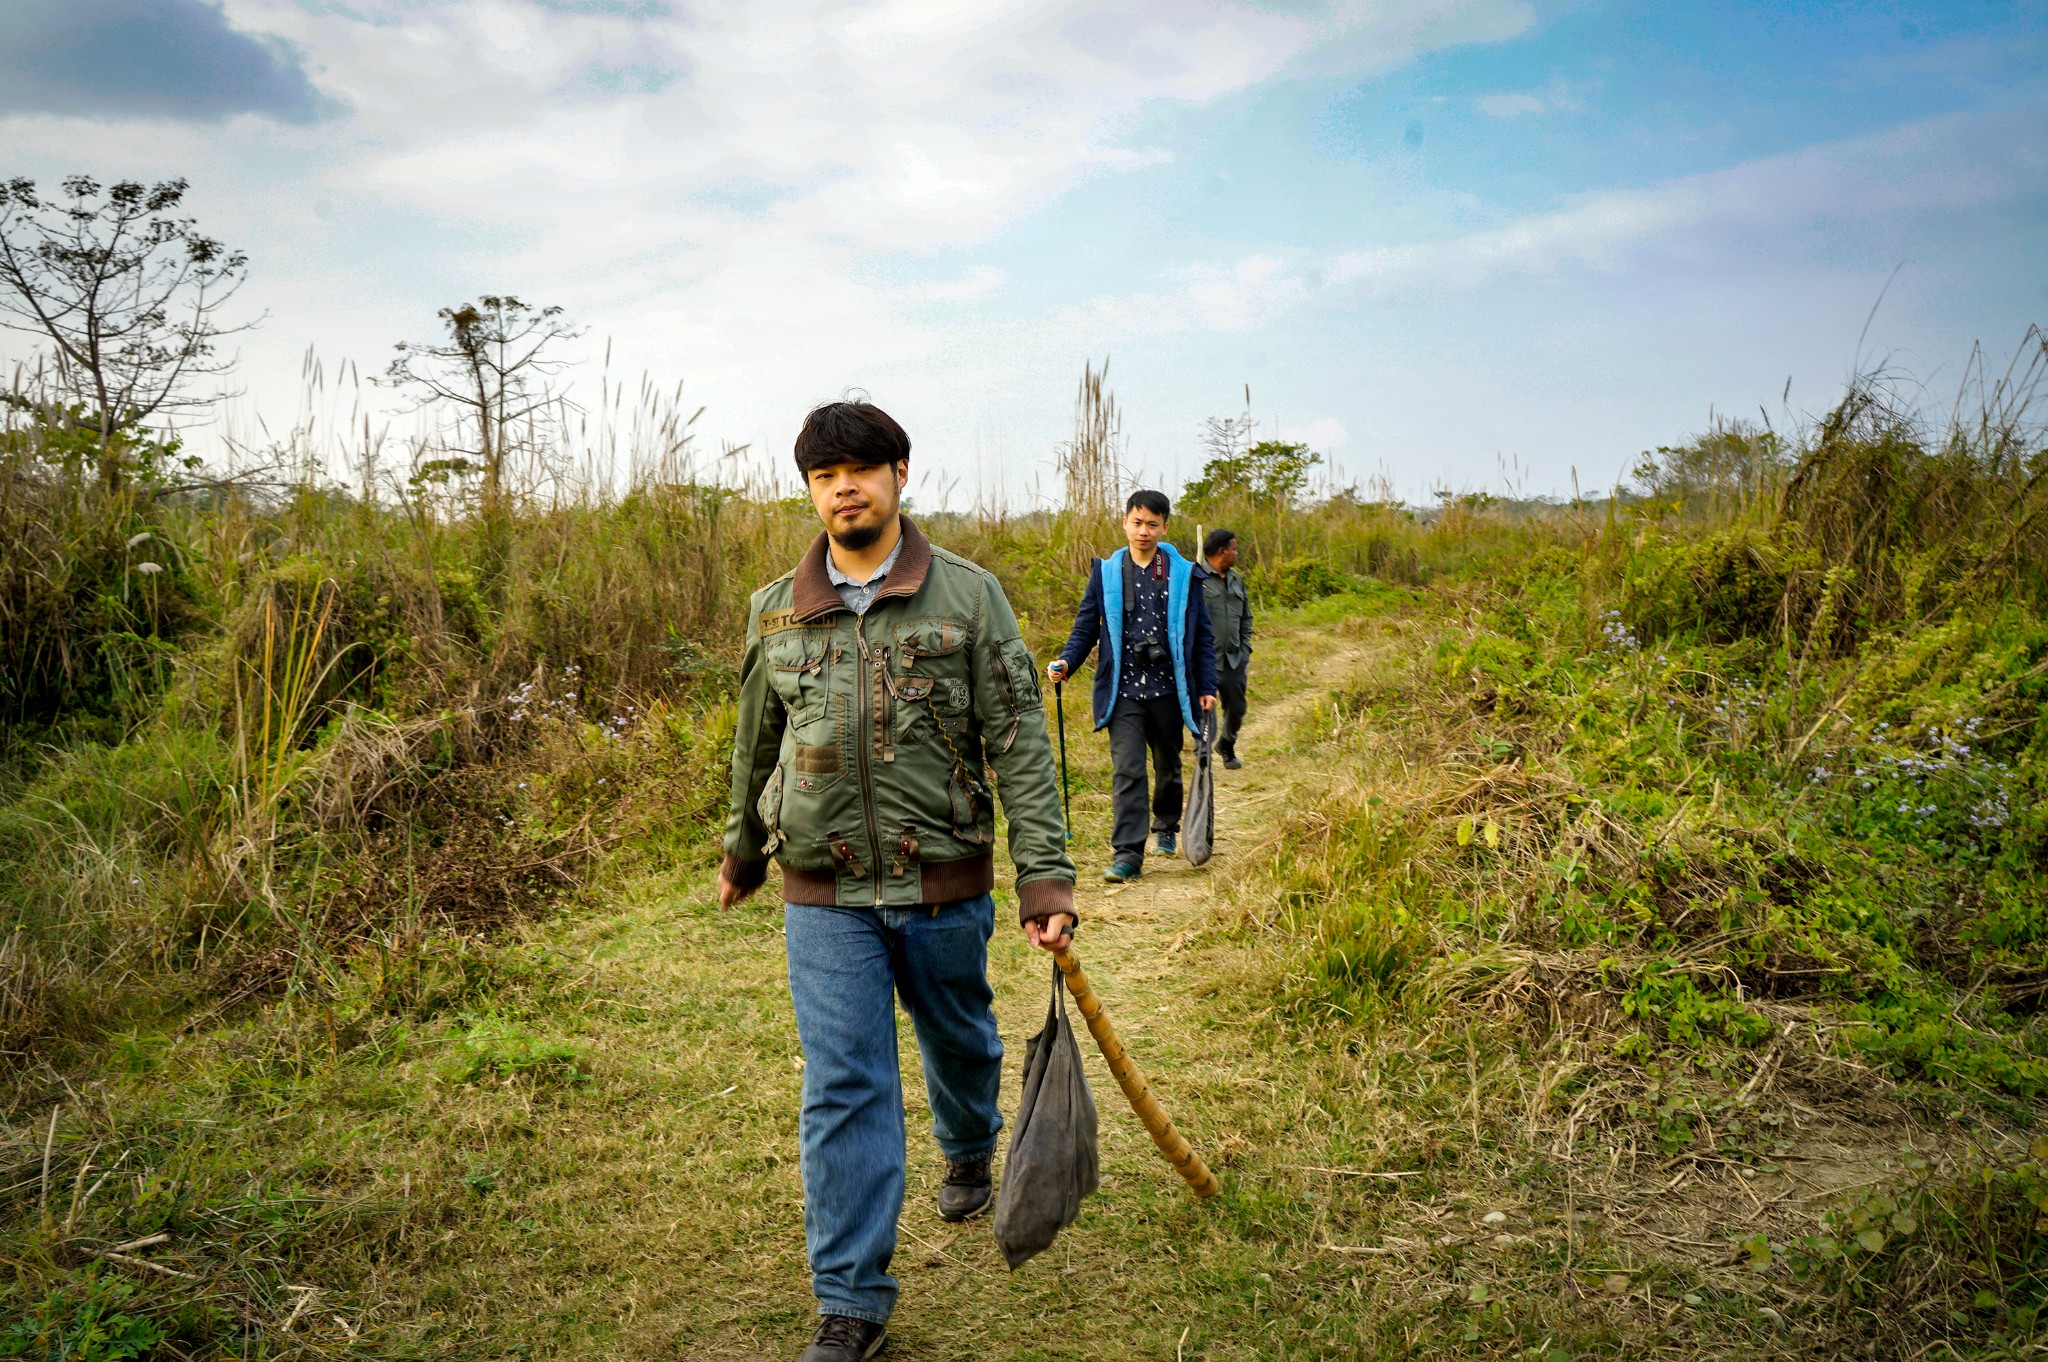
[1198, 819]
[1053, 1161]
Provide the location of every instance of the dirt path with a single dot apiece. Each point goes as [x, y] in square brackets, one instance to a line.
[1135, 945]
[678, 1207]
[655, 1210]
[582, 1144]
[1134, 931]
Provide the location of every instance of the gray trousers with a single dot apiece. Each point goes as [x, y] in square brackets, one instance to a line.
[1137, 727]
[1230, 688]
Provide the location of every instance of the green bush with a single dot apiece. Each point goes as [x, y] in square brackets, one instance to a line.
[1719, 588]
[1358, 955]
[97, 594]
[1674, 1002]
[1731, 763]
[1966, 1249]
[1295, 581]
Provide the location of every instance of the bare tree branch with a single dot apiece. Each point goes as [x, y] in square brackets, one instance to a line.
[494, 368]
[126, 293]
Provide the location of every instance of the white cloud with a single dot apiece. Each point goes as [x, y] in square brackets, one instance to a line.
[1233, 297]
[1799, 204]
[1637, 305]
[1509, 106]
[1557, 96]
[1243, 295]
[1589, 233]
[980, 282]
[904, 124]
[779, 200]
[1324, 434]
[714, 183]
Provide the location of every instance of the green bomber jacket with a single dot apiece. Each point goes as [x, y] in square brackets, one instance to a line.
[863, 742]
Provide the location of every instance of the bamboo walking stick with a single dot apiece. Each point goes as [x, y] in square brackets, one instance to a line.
[1172, 1144]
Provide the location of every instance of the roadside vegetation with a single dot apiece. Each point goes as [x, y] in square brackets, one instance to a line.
[1641, 943]
[1710, 838]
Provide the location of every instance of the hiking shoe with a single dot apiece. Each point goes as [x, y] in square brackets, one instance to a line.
[842, 1338]
[1167, 844]
[967, 1189]
[1123, 871]
[1232, 764]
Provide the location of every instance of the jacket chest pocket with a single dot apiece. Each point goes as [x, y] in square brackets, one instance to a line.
[931, 680]
[935, 710]
[817, 718]
[797, 670]
[925, 701]
[930, 638]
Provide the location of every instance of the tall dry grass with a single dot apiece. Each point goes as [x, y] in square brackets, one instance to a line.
[1092, 462]
[255, 726]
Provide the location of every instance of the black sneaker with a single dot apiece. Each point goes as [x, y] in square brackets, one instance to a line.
[967, 1189]
[842, 1338]
[1123, 871]
[1232, 764]
[1167, 845]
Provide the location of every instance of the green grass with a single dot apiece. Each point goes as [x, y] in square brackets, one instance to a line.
[1626, 935]
[577, 1139]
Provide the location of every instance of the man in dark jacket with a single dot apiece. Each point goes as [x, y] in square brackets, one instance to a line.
[1230, 617]
[1144, 610]
[881, 678]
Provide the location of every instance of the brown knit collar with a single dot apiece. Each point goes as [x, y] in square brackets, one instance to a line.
[812, 596]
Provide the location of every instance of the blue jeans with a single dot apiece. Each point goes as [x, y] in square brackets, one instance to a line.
[846, 967]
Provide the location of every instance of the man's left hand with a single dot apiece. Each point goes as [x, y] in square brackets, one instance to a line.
[1208, 702]
[1055, 933]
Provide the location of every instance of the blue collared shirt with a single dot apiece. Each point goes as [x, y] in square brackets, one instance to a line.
[860, 595]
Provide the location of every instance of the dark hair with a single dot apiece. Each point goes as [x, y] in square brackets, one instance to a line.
[1216, 541]
[849, 432]
[1155, 502]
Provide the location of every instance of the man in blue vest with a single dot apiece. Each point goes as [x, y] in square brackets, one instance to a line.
[1144, 609]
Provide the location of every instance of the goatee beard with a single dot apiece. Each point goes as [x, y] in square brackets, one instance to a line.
[857, 539]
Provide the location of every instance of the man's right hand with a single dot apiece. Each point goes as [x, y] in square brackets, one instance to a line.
[1057, 670]
[1055, 933]
[728, 892]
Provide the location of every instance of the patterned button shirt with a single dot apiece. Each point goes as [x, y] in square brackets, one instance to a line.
[1145, 623]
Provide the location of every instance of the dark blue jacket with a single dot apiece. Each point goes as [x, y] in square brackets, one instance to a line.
[1100, 621]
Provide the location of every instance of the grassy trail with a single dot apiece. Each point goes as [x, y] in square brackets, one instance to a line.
[1626, 939]
[659, 1215]
[588, 1150]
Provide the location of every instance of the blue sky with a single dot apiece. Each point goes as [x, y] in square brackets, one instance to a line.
[1439, 239]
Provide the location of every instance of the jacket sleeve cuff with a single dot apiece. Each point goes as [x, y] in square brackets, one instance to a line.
[1040, 899]
[744, 874]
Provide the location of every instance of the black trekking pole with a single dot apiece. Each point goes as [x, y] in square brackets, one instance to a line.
[1059, 705]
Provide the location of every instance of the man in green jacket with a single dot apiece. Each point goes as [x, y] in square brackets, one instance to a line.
[1230, 620]
[882, 680]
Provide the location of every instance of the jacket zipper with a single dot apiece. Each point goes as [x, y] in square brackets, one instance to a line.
[867, 795]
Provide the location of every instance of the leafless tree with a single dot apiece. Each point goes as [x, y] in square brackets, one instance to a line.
[494, 369]
[1226, 437]
[126, 292]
